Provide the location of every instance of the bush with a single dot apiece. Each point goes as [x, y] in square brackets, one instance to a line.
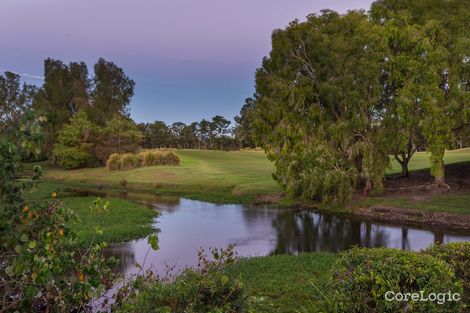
[145, 158]
[71, 157]
[206, 289]
[114, 162]
[362, 277]
[154, 158]
[457, 255]
[130, 161]
[190, 292]
[171, 159]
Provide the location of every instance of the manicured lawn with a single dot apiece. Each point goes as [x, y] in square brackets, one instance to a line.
[122, 221]
[284, 283]
[215, 176]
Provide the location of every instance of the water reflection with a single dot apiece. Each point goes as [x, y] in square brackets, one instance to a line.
[187, 225]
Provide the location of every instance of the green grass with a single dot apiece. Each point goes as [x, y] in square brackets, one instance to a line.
[284, 283]
[420, 160]
[459, 204]
[214, 176]
[122, 221]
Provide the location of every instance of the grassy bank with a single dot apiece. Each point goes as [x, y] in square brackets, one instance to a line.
[286, 283]
[216, 176]
[122, 221]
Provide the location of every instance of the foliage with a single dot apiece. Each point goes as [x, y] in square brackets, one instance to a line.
[64, 93]
[244, 128]
[39, 269]
[457, 255]
[144, 158]
[113, 162]
[75, 142]
[130, 161]
[119, 135]
[207, 289]
[317, 107]
[68, 89]
[112, 91]
[15, 101]
[363, 276]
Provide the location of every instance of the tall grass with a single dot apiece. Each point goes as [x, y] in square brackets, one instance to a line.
[144, 158]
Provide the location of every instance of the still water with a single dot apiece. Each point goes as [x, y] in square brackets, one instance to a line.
[187, 225]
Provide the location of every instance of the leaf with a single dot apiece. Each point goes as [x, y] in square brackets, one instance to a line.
[32, 244]
[9, 270]
[31, 292]
[24, 238]
[153, 241]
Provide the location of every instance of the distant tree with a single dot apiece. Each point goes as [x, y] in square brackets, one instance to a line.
[112, 91]
[177, 131]
[244, 130]
[75, 141]
[64, 93]
[119, 135]
[15, 100]
[205, 131]
[220, 127]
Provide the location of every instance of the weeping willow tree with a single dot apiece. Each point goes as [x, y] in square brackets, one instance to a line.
[318, 113]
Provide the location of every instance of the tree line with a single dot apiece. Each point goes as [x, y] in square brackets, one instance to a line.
[205, 134]
[338, 94]
[85, 118]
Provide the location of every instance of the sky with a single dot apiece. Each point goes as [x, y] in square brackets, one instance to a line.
[190, 59]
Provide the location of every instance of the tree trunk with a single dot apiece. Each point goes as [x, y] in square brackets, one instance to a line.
[404, 170]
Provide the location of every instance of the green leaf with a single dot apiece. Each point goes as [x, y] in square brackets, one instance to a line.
[153, 241]
[32, 244]
[24, 238]
[31, 292]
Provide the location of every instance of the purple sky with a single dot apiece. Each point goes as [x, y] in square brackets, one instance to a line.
[190, 59]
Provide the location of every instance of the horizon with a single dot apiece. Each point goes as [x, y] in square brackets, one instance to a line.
[189, 61]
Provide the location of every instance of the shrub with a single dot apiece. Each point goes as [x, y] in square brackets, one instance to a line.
[207, 289]
[71, 157]
[190, 292]
[362, 277]
[171, 159]
[457, 255]
[150, 158]
[40, 270]
[145, 158]
[114, 162]
[130, 161]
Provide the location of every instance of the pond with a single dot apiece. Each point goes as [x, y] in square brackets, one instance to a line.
[187, 225]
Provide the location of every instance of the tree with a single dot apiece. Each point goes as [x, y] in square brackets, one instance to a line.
[445, 25]
[244, 129]
[220, 125]
[120, 135]
[15, 100]
[317, 111]
[407, 80]
[64, 93]
[75, 141]
[112, 92]
[177, 129]
[205, 131]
